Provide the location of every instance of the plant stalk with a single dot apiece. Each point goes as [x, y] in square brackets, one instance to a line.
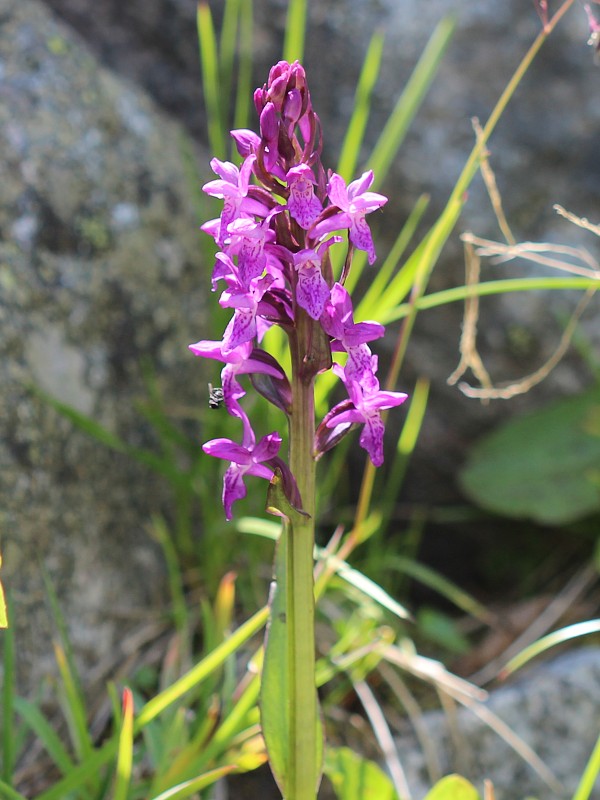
[304, 768]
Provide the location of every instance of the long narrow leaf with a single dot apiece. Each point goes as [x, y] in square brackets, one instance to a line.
[125, 749]
[410, 100]
[38, 723]
[590, 774]
[8, 695]
[227, 52]
[551, 640]
[505, 286]
[189, 788]
[74, 705]
[210, 78]
[295, 31]
[7, 793]
[355, 131]
[243, 98]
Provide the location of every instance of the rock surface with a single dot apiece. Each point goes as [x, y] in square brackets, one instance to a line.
[554, 709]
[99, 269]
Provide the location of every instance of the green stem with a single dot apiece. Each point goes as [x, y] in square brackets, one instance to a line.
[303, 768]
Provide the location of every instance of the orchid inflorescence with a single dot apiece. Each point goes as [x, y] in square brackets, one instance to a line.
[281, 214]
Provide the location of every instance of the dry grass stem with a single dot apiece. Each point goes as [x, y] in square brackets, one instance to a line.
[469, 357]
[489, 178]
[523, 385]
[384, 737]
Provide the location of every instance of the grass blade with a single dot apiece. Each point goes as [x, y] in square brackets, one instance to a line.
[295, 31]
[7, 793]
[74, 705]
[38, 723]
[189, 788]
[125, 749]
[243, 100]
[588, 779]
[209, 61]
[411, 98]
[8, 694]
[551, 640]
[353, 140]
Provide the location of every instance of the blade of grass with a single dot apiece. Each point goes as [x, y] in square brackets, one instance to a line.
[295, 31]
[551, 640]
[588, 779]
[504, 286]
[125, 749]
[404, 449]
[353, 139]
[7, 793]
[93, 764]
[209, 61]
[8, 697]
[74, 706]
[227, 52]
[189, 788]
[44, 731]
[411, 98]
[243, 101]
[71, 684]
[444, 587]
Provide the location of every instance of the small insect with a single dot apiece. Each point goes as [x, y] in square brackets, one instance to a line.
[215, 396]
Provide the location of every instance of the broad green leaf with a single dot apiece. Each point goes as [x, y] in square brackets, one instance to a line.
[453, 787]
[356, 778]
[540, 465]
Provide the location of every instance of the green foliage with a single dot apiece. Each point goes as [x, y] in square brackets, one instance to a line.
[356, 778]
[543, 465]
[453, 787]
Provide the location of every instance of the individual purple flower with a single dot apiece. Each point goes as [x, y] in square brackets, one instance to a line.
[242, 327]
[233, 189]
[367, 407]
[303, 204]
[247, 241]
[350, 337]
[247, 458]
[312, 291]
[354, 202]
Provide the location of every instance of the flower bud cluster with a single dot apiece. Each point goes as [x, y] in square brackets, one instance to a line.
[281, 214]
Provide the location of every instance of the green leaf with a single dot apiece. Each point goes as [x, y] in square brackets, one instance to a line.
[541, 465]
[274, 708]
[125, 751]
[356, 778]
[189, 788]
[453, 787]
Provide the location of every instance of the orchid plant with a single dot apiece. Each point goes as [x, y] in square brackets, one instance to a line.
[282, 213]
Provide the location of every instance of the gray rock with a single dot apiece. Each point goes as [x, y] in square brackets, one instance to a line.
[99, 269]
[554, 708]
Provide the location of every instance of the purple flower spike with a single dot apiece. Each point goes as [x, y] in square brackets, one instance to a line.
[354, 202]
[303, 205]
[366, 411]
[247, 458]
